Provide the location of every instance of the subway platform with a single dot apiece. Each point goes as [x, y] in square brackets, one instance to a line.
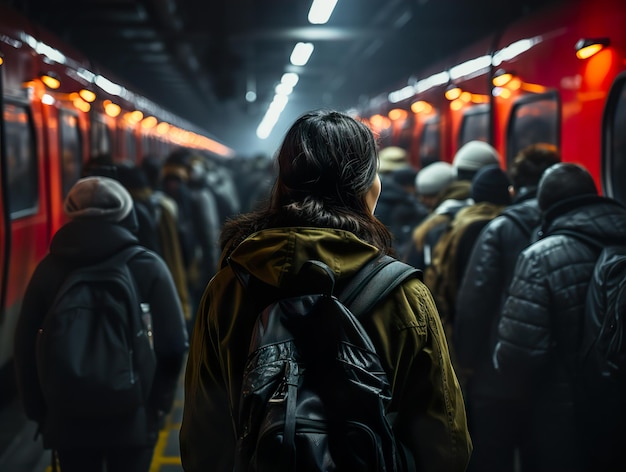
[22, 453]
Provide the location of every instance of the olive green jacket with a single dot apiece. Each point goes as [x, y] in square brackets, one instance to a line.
[405, 329]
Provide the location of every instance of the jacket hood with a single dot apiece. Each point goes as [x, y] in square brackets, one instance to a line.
[599, 218]
[90, 240]
[274, 256]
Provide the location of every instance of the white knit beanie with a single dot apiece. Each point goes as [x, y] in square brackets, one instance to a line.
[98, 197]
[433, 178]
[474, 155]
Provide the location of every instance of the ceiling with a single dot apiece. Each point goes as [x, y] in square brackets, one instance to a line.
[198, 58]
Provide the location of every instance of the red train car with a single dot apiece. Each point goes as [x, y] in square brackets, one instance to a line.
[531, 81]
[58, 109]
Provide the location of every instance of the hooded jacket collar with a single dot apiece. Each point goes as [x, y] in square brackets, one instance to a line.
[274, 256]
[599, 218]
[90, 240]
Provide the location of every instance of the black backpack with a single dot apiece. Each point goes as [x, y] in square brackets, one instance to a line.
[604, 330]
[314, 394]
[94, 350]
[603, 346]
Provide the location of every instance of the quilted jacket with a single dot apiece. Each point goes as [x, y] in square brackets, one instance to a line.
[539, 334]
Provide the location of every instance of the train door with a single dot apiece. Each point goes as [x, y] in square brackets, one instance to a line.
[430, 141]
[5, 221]
[533, 119]
[475, 125]
[101, 136]
[65, 157]
[613, 166]
[26, 204]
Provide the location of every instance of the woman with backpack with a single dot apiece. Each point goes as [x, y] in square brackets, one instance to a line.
[321, 208]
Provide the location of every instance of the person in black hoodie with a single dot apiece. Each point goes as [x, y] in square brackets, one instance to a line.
[496, 411]
[540, 332]
[102, 222]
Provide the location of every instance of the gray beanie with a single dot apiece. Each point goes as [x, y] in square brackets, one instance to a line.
[433, 178]
[474, 155]
[98, 197]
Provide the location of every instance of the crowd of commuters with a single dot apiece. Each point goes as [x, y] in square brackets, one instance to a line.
[510, 287]
[494, 329]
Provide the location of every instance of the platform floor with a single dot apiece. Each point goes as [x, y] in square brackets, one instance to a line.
[23, 454]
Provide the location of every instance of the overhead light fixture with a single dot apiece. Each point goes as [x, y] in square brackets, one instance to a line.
[421, 106]
[320, 11]
[149, 122]
[87, 95]
[587, 47]
[111, 109]
[50, 80]
[163, 127]
[283, 89]
[290, 78]
[81, 104]
[397, 114]
[453, 92]
[502, 77]
[1, 59]
[301, 53]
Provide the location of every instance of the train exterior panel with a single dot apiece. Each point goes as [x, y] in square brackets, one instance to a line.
[526, 84]
[58, 111]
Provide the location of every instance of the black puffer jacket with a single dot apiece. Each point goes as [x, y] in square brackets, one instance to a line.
[83, 242]
[540, 330]
[484, 289]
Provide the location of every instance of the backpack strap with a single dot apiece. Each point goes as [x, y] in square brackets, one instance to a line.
[374, 281]
[521, 224]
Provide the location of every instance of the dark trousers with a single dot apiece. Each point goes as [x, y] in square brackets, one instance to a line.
[116, 460]
[498, 429]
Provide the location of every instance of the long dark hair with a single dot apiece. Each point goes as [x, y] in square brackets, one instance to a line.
[326, 165]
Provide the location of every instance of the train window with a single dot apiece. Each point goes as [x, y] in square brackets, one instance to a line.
[131, 145]
[405, 134]
[21, 161]
[100, 138]
[71, 150]
[614, 157]
[429, 151]
[475, 125]
[534, 119]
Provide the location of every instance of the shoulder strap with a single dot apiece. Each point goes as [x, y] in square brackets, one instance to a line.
[519, 222]
[374, 282]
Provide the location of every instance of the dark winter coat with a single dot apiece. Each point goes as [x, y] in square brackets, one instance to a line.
[540, 331]
[83, 242]
[482, 293]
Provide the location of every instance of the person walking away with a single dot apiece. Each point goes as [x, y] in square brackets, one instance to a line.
[490, 194]
[321, 208]
[102, 225]
[497, 412]
[468, 160]
[166, 210]
[540, 332]
[431, 184]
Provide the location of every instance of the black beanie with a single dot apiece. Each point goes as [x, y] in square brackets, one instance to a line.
[491, 184]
